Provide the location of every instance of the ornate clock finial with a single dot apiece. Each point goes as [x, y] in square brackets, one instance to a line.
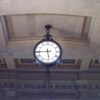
[47, 35]
[48, 27]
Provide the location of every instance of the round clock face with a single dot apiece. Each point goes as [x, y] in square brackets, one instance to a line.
[47, 52]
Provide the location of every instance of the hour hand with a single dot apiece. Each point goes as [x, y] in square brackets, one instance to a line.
[48, 53]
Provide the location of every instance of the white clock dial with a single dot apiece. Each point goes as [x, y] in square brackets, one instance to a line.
[47, 52]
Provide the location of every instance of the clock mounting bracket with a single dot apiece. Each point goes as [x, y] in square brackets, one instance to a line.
[48, 36]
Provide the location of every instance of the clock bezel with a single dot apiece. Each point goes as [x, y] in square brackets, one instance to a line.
[47, 64]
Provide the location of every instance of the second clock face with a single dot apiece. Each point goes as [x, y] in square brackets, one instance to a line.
[47, 52]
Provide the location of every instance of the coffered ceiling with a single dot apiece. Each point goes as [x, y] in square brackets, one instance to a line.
[75, 27]
[21, 27]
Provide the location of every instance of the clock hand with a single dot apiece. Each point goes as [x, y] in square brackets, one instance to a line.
[48, 53]
[42, 51]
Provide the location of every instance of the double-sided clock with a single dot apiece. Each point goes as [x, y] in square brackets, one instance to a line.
[47, 51]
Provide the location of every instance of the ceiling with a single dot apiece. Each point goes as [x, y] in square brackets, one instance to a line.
[75, 26]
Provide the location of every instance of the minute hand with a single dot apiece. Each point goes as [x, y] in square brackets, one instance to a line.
[42, 51]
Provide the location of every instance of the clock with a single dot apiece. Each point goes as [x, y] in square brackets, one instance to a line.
[47, 52]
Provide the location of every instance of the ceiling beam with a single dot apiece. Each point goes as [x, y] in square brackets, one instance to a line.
[10, 62]
[76, 7]
[85, 64]
[2, 36]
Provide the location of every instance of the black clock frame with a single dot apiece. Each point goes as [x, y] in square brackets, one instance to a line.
[47, 64]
